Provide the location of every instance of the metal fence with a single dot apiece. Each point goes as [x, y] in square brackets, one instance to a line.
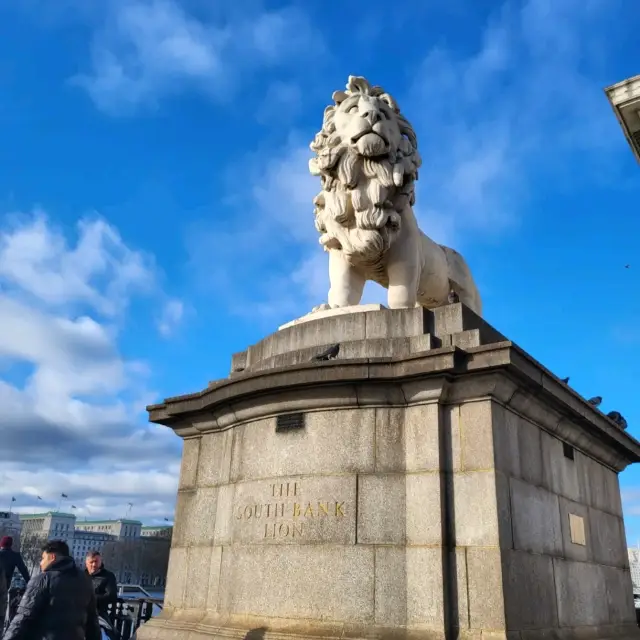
[130, 613]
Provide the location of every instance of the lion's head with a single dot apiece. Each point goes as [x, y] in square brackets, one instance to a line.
[367, 159]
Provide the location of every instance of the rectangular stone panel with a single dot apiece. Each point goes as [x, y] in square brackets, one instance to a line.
[197, 585]
[422, 437]
[215, 458]
[476, 434]
[316, 582]
[389, 439]
[382, 508]
[536, 519]
[607, 539]
[560, 474]
[331, 442]
[581, 593]
[189, 463]
[484, 585]
[425, 605]
[477, 518]
[391, 586]
[295, 510]
[176, 578]
[529, 591]
[213, 589]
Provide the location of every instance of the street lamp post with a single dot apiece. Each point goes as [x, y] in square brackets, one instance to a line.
[624, 97]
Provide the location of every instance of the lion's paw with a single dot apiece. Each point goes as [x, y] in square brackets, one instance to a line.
[321, 307]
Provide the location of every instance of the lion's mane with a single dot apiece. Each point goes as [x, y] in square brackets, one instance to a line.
[359, 208]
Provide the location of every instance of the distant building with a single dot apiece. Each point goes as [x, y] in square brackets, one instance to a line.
[634, 565]
[119, 529]
[625, 99]
[52, 525]
[85, 541]
[157, 531]
[10, 524]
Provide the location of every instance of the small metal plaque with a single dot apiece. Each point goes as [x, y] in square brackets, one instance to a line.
[576, 530]
[289, 421]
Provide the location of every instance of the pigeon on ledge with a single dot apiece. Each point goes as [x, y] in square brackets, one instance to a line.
[596, 401]
[328, 354]
[453, 297]
[617, 417]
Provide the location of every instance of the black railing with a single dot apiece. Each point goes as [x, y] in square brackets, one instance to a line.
[130, 613]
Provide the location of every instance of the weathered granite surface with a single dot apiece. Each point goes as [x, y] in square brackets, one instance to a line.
[452, 489]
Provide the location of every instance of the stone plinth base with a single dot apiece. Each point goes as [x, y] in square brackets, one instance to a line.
[432, 482]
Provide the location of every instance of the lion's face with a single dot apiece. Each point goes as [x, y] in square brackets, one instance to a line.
[368, 125]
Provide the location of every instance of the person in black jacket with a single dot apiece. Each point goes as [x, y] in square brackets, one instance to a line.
[105, 584]
[59, 604]
[11, 560]
[4, 599]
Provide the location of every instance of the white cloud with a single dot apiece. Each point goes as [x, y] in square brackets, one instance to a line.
[99, 270]
[150, 49]
[71, 402]
[172, 314]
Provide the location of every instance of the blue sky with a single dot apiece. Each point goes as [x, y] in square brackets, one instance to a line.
[156, 206]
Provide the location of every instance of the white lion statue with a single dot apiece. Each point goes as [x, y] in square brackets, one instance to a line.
[367, 159]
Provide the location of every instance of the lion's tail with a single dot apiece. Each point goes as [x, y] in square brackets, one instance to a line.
[461, 280]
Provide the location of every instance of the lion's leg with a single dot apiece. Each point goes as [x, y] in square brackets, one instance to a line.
[347, 284]
[403, 284]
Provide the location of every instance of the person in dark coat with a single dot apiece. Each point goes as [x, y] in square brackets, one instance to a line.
[11, 560]
[4, 599]
[59, 604]
[105, 584]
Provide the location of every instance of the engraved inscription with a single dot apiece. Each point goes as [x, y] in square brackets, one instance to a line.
[287, 514]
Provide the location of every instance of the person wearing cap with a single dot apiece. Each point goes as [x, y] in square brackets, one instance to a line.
[11, 560]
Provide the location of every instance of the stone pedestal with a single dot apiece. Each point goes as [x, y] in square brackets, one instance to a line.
[433, 481]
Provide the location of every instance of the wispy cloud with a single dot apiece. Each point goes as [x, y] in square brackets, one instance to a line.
[171, 317]
[150, 49]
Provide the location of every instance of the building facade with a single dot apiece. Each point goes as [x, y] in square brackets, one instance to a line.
[10, 525]
[119, 529]
[634, 565]
[52, 525]
[157, 531]
[85, 541]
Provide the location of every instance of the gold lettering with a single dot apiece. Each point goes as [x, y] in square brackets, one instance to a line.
[296, 529]
[296, 510]
[339, 511]
[323, 507]
[283, 530]
[308, 512]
